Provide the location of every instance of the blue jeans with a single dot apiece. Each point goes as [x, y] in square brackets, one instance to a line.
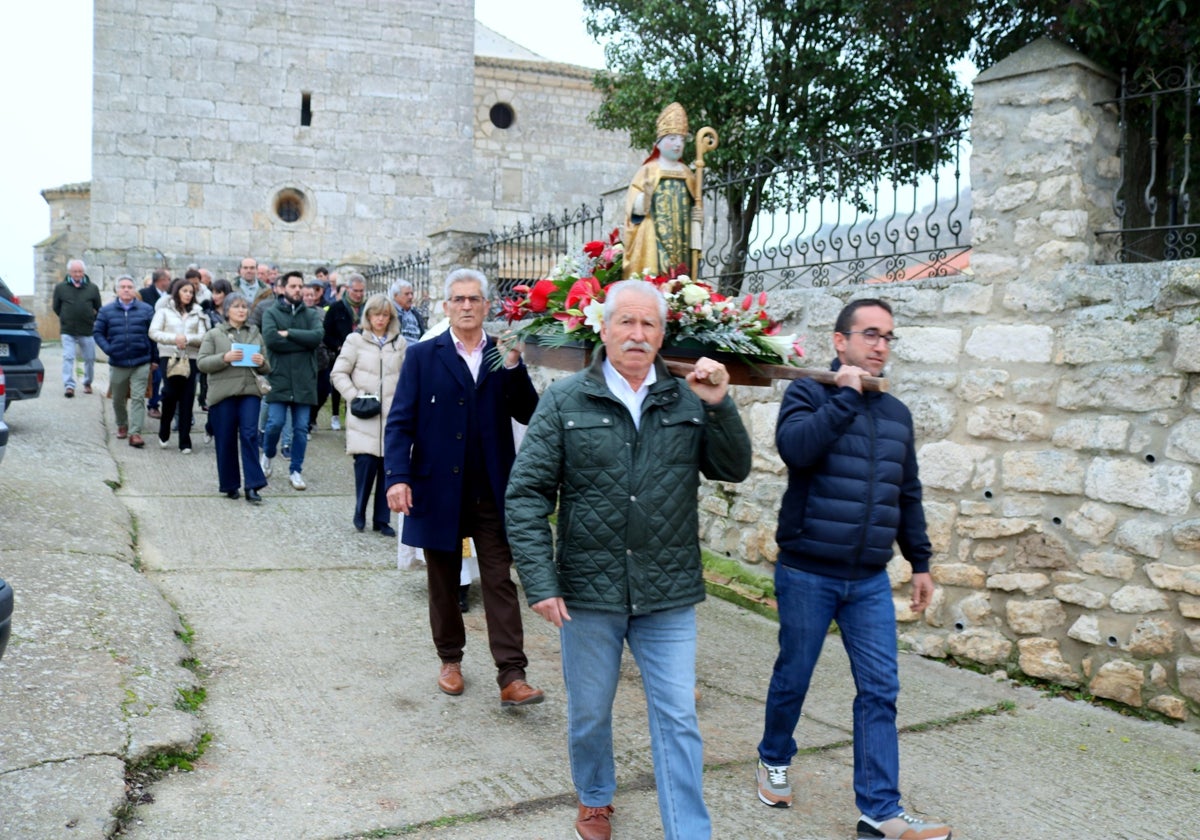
[866, 619]
[664, 646]
[276, 416]
[286, 440]
[87, 349]
[235, 428]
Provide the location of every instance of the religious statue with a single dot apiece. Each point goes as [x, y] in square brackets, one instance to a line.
[663, 207]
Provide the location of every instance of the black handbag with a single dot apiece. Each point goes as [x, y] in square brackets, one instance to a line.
[366, 406]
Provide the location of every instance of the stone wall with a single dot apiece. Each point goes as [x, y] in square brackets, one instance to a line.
[69, 220]
[1056, 407]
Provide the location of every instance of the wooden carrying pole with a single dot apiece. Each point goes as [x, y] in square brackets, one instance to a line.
[764, 374]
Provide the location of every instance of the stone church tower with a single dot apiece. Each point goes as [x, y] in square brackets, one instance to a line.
[305, 132]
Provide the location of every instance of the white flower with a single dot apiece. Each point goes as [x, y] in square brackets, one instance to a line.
[781, 345]
[593, 315]
[693, 294]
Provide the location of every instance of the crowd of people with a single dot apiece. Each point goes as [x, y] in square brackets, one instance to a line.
[596, 505]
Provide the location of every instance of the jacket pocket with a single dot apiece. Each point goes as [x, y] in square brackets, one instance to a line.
[679, 441]
[591, 439]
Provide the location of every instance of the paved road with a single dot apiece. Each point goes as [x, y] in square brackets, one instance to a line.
[321, 703]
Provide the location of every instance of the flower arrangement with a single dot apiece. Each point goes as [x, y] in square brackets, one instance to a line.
[568, 306]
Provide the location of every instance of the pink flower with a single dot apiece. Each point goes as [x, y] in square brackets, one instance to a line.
[762, 299]
[747, 302]
[798, 347]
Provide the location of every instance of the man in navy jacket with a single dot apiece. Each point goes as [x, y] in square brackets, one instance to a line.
[852, 493]
[448, 450]
[122, 330]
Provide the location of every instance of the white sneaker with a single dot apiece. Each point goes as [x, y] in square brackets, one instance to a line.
[207, 438]
[163, 444]
[297, 481]
[185, 452]
[335, 424]
[265, 463]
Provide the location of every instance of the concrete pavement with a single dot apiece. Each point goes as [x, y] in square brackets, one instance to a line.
[321, 705]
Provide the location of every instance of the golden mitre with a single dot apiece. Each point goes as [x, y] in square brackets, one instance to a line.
[672, 120]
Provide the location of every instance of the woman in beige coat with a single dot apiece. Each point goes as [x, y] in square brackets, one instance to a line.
[178, 328]
[370, 364]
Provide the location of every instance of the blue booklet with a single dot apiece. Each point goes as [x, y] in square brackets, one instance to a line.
[248, 350]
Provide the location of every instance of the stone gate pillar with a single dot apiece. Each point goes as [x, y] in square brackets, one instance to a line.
[1044, 163]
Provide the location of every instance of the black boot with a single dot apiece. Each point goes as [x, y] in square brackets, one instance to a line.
[253, 496]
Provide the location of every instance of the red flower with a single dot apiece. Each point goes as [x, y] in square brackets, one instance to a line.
[716, 297]
[539, 295]
[521, 290]
[615, 236]
[582, 292]
[594, 249]
[513, 309]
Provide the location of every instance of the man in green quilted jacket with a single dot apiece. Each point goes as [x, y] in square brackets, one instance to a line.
[618, 448]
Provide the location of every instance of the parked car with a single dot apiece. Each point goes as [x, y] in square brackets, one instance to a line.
[20, 345]
[7, 293]
[3, 425]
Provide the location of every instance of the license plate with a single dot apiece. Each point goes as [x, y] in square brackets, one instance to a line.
[3, 349]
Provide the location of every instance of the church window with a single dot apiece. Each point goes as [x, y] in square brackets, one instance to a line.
[502, 115]
[289, 205]
[306, 109]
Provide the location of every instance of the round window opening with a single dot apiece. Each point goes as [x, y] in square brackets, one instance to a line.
[502, 115]
[289, 205]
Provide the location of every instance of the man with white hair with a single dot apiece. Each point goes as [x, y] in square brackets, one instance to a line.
[76, 303]
[412, 324]
[618, 450]
[448, 451]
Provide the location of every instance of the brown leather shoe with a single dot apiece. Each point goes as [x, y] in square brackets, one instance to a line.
[87, 389]
[153, 412]
[450, 680]
[594, 823]
[122, 432]
[520, 693]
[136, 440]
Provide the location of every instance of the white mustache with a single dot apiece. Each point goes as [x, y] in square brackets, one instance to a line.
[638, 345]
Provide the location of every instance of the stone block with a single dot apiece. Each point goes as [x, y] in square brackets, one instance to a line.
[1187, 348]
[1041, 551]
[1011, 343]
[1168, 705]
[990, 528]
[982, 384]
[925, 644]
[1043, 471]
[980, 645]
[1183, 442]
[1091, 523]
[1041, 658]
[929, 345]
[1152, 637]
[1086, 629]
[1193, 635]
[958, 574]
[1027, 582]
[1186, 535]
[1164, 488]
[1125, 387]
[1007, 423]
[933, 415]
[1106, 433]
[1184, 579]
[1137, 599]
[1034, 391]
[967, 298]
[973, 611]
[1030, 617]
[948, 466]
[939, 524]
[1187, 672]
[1189, 608]
[1141, 536]
[1121, 681]
[1084, 596]
[1110, 341]
[1120, 566]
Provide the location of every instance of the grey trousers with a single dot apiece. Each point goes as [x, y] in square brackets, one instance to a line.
[127, 382]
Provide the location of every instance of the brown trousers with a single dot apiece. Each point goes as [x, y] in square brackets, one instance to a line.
[482, 522]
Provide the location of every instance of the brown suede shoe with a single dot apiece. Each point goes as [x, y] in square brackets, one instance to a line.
[594, 823]
[87, 389]
[450, 680]
[520, 693]
[136, 441]
[122, 432]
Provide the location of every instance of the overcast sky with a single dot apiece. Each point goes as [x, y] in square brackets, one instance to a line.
[46, 68]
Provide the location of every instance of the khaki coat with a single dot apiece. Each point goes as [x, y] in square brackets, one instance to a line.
[363, 367]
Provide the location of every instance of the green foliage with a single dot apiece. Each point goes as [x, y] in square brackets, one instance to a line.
[190, 699]
[176, 760]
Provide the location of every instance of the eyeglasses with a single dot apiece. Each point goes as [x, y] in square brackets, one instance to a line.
[873, 336]
[474, 300]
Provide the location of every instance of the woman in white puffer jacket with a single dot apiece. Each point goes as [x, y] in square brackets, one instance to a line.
[370, 364]
[178, 328]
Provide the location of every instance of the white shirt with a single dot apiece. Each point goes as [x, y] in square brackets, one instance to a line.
[473, 357]
[622, 390]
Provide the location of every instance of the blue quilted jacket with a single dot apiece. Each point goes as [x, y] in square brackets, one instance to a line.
[628, 529]
[853, 489]
[124, 334]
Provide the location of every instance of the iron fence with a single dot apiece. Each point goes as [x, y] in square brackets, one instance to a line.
[414, 268]
[523, 254]
[831, 216]
[1154, 193]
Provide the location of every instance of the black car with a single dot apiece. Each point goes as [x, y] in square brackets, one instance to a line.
[20, 345]
[8, 293]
